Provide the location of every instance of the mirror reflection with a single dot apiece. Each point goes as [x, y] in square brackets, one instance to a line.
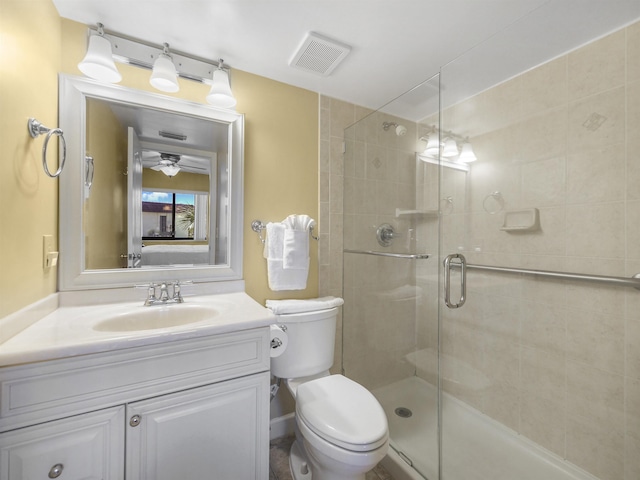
[155, 184]
[153, 188]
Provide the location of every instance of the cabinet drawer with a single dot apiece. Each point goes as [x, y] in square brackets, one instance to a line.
[87, 446]
[44, 391]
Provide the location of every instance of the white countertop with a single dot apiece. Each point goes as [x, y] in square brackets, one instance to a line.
[68, 331]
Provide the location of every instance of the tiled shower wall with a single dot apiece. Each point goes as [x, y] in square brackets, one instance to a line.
[557, 361]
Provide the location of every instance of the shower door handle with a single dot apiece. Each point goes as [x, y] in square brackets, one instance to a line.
[447, 280]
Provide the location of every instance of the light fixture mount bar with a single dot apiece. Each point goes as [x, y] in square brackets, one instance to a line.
[140, 54]
[444, 134]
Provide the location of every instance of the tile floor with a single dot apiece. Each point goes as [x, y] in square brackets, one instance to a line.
[279, 462]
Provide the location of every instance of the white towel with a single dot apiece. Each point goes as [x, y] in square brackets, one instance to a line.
[279, 278]
[295, 254]
[280, 307]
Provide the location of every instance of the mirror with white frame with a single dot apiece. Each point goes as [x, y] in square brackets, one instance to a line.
[151, 189]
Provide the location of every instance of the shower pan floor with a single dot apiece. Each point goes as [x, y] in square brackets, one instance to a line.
[475, 447]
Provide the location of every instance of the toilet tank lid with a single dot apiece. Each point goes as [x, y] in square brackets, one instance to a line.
[343, 412]
[283, 307]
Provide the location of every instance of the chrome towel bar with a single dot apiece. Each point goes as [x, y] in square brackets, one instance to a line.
[411, 256]
[605, 279]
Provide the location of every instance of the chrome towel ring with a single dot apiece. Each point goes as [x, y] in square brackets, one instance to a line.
[36, 129]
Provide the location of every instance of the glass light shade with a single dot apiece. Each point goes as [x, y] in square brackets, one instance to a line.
[466, 154]
[98, 62]
[450, 148]
[170, 170]
[433, 146]
[164, 76]
[220, 94]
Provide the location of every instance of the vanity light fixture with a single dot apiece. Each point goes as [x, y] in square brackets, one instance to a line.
[454, 150]
[220, 94]
[164, 76]
[104, 48]
[450, 148]
[98, 62]
[466, 153]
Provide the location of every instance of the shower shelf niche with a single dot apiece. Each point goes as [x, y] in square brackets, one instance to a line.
[525, 220]
[400, 213]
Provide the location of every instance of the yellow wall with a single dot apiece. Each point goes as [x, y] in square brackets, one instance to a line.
[186, 181]
[105, 240]
[281, 174]
[30, 53]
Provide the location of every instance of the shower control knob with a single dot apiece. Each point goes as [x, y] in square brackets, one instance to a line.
[385, 235]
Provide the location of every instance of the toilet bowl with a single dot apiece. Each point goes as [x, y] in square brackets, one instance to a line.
[341, 429]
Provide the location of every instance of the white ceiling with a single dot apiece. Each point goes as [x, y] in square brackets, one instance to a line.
[396, 44]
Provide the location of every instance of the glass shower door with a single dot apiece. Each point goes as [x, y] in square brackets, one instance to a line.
[535, 372]
[390, 285]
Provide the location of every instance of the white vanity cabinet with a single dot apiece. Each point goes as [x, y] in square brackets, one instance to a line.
[87, 446]
[189, 409]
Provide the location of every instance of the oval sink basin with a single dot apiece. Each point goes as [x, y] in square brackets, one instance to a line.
[151, 318]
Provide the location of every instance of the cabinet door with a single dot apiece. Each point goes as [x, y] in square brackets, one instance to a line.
[218, 431]
[84, 447]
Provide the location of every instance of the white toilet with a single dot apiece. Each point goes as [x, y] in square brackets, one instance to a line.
[341, 429]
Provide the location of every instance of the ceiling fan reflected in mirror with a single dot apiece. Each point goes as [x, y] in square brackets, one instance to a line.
[170, 163]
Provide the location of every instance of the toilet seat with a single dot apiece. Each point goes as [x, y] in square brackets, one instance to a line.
[342, 412]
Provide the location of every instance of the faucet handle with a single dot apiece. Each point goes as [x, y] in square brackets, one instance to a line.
[151, 292]
[177, 295]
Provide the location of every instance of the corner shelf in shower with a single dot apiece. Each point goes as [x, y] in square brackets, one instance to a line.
[417, 214]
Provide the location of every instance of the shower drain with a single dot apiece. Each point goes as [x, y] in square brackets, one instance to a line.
[403, 412]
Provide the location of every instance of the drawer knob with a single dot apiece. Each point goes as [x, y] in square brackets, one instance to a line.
[56, 470]
[134, 421]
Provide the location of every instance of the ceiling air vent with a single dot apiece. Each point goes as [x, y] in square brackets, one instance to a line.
[319, 54]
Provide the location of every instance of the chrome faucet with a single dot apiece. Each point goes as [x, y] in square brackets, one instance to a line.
[164, 297]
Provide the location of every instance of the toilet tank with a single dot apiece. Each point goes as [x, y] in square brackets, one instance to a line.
[310, 347]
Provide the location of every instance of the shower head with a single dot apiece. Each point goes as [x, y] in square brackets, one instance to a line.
[400, 129]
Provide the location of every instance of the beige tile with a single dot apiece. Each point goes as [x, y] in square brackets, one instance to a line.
[342, 115]
[336, 183]
[598, 449]
[595, 421]
[325, 156]
[542, 136]
[543, 421]
[544, 87]
[501, 401]
[596, 230]
[597, 121]
[595, 394]
[500, 106]
[596, 339]
[631, 458]
[633, 53]
[543, 374]
[632, 339]
[543, 183]
[633, 141]
[598, 66]
[550, 239]
[544, 327]
[595, 298]
[633, 230]
[632, 407]
[595, 176]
